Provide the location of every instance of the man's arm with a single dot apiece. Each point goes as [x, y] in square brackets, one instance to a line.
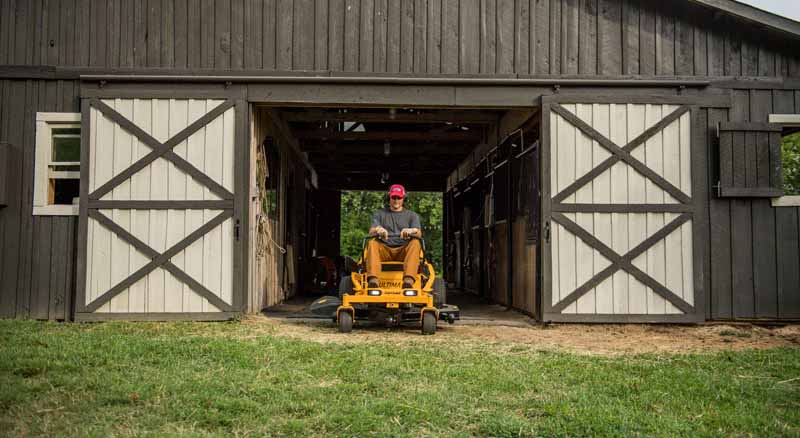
[408, 233]
[415, 230]
[376, 229]
[379, 231]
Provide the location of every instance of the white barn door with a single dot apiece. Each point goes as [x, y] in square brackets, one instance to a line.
[157, 209]
[619, 213]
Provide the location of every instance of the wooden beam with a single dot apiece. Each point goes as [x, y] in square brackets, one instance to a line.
[391, 172]
[429, 183]
[282, 129]
[465, 117]
[336, 165]
[160, 205]
[458, 149]
[513, 120]
[466, 136]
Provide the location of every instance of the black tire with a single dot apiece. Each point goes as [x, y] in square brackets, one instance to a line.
[428, 323]
[345, 286]
[439, 292]
[345, 322]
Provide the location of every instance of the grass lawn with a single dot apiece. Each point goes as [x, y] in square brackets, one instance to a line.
[234, 378]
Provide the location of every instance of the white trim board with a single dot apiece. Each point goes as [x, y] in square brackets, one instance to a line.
[785, 119]
[56, 210]
[786, 201]
[45, 121]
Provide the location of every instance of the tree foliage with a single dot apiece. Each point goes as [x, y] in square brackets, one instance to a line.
[791, 164]
[357, 210]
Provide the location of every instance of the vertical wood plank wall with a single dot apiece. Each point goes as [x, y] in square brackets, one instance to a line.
[37, 260]
[519, 37]
[270, 277]
[266, 240]
[754, 248]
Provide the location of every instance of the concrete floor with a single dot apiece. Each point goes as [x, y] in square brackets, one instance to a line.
[475, 310]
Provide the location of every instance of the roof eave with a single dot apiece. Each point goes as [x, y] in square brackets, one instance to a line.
[754, 14]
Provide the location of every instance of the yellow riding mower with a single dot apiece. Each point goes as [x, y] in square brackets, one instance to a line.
[390, 303]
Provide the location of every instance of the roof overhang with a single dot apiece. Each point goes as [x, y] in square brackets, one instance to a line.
[750, 13]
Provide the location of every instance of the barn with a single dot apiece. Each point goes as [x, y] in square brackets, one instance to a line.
[599, 160]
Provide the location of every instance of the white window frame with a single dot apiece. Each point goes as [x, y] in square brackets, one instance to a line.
[791, 120]
[45, 122]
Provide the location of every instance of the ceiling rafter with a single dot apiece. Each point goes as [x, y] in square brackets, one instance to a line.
[463, 117]
[317, 134]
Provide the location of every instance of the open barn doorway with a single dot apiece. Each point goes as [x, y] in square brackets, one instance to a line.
[310, 164]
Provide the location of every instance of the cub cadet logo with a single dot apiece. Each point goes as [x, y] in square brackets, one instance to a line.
[390, 284]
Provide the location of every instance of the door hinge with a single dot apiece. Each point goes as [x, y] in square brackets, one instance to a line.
[236, 230]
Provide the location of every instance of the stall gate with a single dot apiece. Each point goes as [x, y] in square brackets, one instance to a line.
[618, 213]
[158, 224]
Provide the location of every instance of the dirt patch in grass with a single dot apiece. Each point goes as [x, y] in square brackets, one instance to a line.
[605, 339]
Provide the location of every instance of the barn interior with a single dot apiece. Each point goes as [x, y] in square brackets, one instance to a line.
[483, 161]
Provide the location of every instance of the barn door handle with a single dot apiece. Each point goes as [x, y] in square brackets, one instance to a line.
[547, 232]
[236, 230]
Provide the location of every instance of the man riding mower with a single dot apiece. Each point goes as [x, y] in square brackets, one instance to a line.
[395, 282]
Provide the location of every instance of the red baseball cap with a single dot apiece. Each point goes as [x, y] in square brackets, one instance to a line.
[397, 190]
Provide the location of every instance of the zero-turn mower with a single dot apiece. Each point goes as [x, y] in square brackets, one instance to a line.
[390, 303]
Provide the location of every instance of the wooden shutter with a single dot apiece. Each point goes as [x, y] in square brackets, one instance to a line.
[750, 160]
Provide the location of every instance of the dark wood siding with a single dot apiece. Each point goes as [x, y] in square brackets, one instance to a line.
[495, 37]
[37, 277]
[753, 251]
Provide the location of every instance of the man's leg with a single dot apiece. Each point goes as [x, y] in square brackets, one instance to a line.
[410, 254]
[376, 253]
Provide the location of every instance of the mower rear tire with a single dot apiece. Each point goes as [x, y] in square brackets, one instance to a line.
[345, 322]
[345, 286]
[439, 292]
[428, 323]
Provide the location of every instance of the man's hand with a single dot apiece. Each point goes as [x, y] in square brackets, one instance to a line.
[408, 233]
[381, 232]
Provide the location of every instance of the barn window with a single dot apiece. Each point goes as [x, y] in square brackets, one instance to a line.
[58, 162]
[790, 158]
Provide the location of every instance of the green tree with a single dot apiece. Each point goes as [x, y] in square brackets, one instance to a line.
[357, 210]
[790, 149]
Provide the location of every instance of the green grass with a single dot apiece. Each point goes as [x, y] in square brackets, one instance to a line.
[232, 378]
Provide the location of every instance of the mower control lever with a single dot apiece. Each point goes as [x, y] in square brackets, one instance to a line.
[366, 239]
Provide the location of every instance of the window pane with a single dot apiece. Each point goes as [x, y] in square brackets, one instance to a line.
[790, 151]
[66, 144]
[65, 190]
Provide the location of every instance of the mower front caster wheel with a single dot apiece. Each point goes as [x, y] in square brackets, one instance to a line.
[428, 323]
[345, 322]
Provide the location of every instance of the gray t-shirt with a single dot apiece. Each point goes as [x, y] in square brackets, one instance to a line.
[394, 222]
